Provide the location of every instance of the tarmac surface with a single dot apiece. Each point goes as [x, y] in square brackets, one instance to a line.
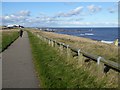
[17, 66]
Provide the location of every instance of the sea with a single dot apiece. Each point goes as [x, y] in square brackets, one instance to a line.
[108, 34]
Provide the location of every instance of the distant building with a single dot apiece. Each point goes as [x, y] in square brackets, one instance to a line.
[14, 26]
[10, 26]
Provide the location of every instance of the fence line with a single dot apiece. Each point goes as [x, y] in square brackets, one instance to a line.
[107, 63]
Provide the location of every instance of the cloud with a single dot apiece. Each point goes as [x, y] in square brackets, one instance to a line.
[16, 18]
[75, 23]
[24, 13]
[61, 19]
[94, 9]
[13, 19]
[112, 10]
[73, 12]
[95, 24]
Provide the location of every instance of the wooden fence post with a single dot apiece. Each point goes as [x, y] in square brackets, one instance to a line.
[67, 49]
[68, 52]
[38, 36]
[42, 38]
[100, 67]
[45, 40]
[52, 43]
[60, 47]
[49, 41]
[80, 58]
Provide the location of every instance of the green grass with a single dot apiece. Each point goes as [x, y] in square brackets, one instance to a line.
[55, 71]
[7, 38]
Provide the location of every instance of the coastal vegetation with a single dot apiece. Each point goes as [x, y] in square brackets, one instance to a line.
[108, 51]
[55, 70]
[7, 37]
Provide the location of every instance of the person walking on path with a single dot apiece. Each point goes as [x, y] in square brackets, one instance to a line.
[21, 32]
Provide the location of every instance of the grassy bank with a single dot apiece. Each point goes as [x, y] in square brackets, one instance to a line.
[7, 38]
[108, 51]
[55, 71]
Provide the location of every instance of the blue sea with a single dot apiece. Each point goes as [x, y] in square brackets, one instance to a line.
[105, 34]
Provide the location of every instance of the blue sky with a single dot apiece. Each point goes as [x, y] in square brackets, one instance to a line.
[60, 14]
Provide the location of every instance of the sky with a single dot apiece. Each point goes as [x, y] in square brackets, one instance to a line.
[60, 14]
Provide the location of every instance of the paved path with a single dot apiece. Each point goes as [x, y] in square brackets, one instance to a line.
[18, 69]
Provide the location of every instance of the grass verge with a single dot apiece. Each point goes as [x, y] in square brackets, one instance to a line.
[54, 71]
[8, 37]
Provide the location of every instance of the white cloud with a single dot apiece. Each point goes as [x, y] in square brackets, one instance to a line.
[76, 23]
[12, 18]
[94, 9]
[23, 18]
[75, 11]
[91, 8]
[16, 18]
[112, 10]
[24, 13]
[94, 24]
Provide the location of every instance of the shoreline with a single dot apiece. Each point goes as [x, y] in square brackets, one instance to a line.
[103, 41]
[71, 36]
[92, 33]
[74, 36]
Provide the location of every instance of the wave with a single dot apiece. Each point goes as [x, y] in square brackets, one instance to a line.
[87, 34]
[109, 42]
